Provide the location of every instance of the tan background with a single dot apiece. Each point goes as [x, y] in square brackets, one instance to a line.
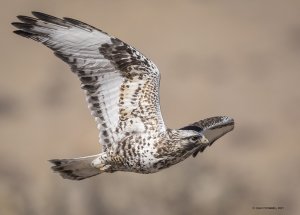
[235, 58]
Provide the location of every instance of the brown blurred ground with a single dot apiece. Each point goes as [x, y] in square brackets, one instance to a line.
[235, 58]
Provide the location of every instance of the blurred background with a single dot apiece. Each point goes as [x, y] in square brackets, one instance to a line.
[235, 58]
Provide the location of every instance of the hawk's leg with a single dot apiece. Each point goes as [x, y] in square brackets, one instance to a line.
[101, 163]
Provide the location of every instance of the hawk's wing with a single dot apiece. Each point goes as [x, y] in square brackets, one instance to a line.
[121, 85]
[212, 128]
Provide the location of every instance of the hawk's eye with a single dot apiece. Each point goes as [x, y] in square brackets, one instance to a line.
[194, 139]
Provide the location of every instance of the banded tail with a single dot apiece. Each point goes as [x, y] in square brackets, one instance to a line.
[76, 168]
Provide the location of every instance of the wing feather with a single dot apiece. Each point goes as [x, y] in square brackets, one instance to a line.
[212, 128]
[121, 85]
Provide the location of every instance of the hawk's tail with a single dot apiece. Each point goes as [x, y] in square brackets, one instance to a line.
[76, 168]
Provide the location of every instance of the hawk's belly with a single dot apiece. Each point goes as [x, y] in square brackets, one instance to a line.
[144, 162]
[144, 154]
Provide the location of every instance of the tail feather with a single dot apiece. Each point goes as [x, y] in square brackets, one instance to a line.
[76, 168]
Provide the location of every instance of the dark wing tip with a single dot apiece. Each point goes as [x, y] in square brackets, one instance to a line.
[23, 33]
[27, 19]
[48, 18]
[43, 16]
[22, 26]
[28, 35]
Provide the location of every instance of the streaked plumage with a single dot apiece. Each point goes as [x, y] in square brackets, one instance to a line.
[122, 91]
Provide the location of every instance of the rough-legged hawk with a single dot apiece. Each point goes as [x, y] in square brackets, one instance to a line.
[122, 91]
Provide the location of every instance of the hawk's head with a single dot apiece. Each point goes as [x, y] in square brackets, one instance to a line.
[212, 128]
[188, 140]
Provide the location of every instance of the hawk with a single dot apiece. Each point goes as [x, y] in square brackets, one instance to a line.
[122, 90]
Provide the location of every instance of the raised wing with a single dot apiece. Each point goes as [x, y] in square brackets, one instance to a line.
[121, 85]
[212, 128]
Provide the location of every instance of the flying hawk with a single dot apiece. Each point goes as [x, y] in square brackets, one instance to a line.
[122, 91]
